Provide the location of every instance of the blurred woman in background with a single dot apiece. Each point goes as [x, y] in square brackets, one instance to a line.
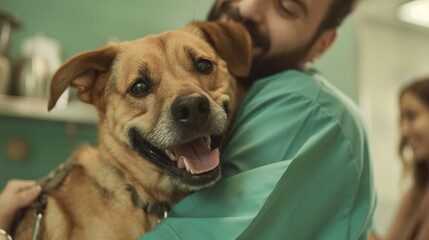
[412, 218]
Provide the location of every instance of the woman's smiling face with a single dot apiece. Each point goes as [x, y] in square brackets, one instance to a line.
[415, 125]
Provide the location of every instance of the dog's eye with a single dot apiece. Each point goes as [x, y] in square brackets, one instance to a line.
[139, 89]
[204, 66]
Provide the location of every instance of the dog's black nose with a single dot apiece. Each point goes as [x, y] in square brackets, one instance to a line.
[191, 110]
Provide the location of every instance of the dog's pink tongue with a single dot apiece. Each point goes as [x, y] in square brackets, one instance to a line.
[199, 157]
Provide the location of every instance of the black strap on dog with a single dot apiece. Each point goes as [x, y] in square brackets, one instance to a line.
[40, 209]
[160, 210]
[18, 218]
[56, 177]
[49, 183]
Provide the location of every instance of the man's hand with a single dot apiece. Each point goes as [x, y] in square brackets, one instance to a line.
[16, 195]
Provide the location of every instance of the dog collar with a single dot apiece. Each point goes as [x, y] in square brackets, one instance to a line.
[158, 209]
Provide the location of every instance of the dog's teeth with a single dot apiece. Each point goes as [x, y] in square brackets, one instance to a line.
[186, 164]
[189, 169]
[208, 141]
[170, 155]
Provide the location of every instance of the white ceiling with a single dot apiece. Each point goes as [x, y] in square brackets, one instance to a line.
[385, 12]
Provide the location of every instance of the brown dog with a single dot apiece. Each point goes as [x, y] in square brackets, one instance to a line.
[164, 103]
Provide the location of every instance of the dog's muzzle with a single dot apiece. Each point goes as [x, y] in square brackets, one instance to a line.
[192, 160]
[191, 165]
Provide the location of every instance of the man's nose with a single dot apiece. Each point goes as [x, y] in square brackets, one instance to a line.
[254, 10]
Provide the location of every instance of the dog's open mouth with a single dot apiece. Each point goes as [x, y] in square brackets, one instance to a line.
[195, 156]
[194, 164]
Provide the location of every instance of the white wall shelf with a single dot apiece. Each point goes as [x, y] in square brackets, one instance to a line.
[36, 108]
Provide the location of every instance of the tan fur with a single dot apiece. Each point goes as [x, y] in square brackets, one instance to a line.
[93, 201]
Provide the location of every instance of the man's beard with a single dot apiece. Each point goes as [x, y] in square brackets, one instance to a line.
[267, 65]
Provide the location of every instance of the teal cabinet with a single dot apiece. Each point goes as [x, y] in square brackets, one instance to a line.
[47, 144]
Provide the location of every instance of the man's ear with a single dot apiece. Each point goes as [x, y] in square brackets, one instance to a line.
[231, 41]
[82, 71]
[323, 43]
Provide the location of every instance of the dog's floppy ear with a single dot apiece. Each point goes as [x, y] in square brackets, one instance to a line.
[231, 41]
[81, 72]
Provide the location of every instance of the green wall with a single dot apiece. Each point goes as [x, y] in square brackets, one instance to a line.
[82, 25]
[339, 64]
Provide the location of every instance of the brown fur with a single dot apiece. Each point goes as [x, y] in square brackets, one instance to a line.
[94, 201]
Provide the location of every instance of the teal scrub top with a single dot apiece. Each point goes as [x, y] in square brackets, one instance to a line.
[296, 166]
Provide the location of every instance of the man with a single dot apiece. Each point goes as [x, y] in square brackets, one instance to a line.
[297, 164]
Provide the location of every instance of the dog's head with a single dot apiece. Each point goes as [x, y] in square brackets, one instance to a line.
[168, 97]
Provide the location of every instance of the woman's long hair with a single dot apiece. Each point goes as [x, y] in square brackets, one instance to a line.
[417, 169]
[408, 222]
